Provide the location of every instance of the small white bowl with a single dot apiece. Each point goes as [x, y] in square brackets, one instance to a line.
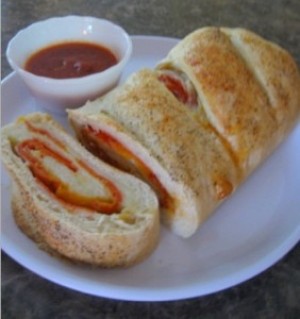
[58, 94]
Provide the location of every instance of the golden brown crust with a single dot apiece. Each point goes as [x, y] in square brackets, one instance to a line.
[24, 215]
[276, 72]
[233, 100]
[26, 221]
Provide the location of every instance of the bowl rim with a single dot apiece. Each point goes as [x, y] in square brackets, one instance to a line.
[66, 81]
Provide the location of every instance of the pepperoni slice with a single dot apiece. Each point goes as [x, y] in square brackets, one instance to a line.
[178, 87]
[175, 86]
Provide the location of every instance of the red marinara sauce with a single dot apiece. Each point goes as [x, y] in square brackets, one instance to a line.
[70, 60]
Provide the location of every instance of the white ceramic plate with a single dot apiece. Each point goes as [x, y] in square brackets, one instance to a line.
[246, 235]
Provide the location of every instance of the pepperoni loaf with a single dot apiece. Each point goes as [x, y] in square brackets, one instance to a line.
[198, 124]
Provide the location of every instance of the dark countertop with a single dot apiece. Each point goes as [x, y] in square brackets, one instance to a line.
[273, 293]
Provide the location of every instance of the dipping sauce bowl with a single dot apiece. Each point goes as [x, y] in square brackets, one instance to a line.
[55, 95]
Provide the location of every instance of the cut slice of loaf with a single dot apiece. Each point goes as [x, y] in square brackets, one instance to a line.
[71, 203]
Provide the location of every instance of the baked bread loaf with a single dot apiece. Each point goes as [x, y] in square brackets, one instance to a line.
[247, 89]
[196, 126]
[72, 204]
[143, 129]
